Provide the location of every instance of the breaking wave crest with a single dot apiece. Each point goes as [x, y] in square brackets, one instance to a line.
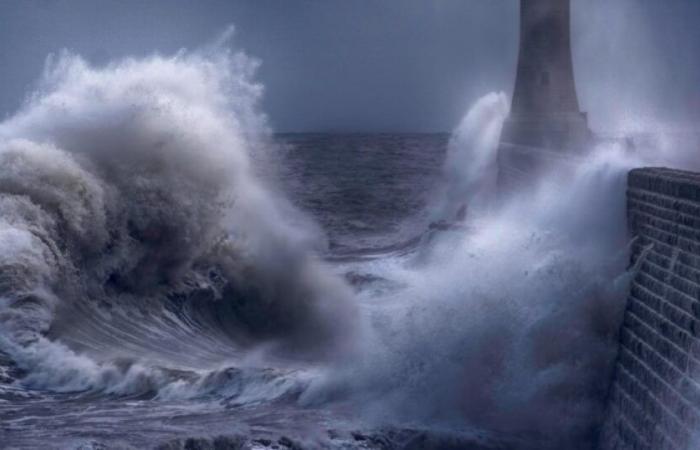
[133, 226]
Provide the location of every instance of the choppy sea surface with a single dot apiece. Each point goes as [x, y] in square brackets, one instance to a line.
[366, 190]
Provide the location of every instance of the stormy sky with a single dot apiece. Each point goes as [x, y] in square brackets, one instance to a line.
[380, 65]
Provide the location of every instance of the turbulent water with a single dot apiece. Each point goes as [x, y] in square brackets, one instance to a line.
[171, 270]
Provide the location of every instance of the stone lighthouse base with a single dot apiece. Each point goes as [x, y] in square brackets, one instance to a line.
[531, 145]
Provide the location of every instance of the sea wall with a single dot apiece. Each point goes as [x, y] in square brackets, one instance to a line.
[655, 395]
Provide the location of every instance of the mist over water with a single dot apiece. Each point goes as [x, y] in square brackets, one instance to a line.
[143, 255]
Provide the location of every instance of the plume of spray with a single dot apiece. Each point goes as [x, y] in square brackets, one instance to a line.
[510, 323]
[470, 164]
[133, 185]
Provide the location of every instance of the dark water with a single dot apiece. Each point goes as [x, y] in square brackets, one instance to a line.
[364, 190]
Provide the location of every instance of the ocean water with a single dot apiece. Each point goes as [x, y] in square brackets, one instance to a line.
[365, 190]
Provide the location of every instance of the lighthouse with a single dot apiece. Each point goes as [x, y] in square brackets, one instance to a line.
[546, 124]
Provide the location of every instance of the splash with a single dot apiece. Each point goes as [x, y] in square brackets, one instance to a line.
[470, 163]
[509, 321]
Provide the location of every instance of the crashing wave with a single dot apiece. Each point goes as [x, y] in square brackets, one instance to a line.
[132, 224]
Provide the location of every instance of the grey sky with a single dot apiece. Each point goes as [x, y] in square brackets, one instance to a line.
[380, 65]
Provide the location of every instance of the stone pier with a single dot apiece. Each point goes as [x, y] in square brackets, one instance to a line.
[654, 400]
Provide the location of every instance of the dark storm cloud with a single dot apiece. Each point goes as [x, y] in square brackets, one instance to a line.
[345, 65]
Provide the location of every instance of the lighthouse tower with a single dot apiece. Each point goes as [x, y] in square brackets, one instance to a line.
[545, 123]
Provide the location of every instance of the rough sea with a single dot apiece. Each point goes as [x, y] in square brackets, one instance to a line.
[173, 274]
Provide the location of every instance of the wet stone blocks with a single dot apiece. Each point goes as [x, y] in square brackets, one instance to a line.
[655, 396]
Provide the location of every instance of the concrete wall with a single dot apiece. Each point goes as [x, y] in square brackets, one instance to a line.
[655, 396]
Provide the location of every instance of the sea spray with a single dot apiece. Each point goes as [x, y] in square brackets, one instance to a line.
[469, 174]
